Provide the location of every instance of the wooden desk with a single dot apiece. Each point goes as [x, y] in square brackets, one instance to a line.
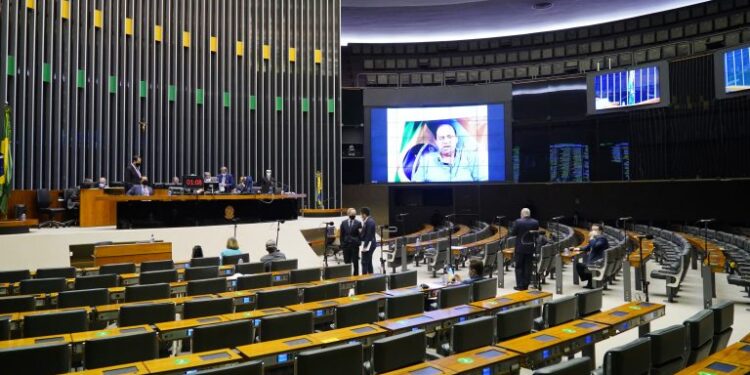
[135, 368]
[734, 359]
[365, 333]
[716, 258]
[112, 311]
[746, 339]
[79, 338]
[628, 316]
[546, 346]
[492, 359]
[635, 256]
[17, 226]
[132, 253]
[255, 314]
[431, 287]
[182, 329]
[504, 302]
[247, 297]
[182, 363]
[95, 212]
[31, 341]
[17, 318]
[431, 320]
[422, 368]
[324, 311]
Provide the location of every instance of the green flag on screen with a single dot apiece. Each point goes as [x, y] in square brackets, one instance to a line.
[6, 160]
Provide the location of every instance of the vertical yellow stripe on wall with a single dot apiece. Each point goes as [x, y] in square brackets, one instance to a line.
[128, 26]
[98, 18]
[292, 54]
[266, 52]
[186, 39]
[240, 49]
[65, 9]
[214, 44]
[318, 56]
[158, 33]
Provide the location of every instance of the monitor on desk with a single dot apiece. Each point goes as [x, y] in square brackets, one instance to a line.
[398, 351]
[342, 359]
[484, 289]
[559, 311]
[403, 305]
[286, 325]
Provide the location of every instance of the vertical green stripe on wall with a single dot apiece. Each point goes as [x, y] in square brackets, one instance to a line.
[143, 89]
[200, 96]
[253, 102]
[305, 105]
[279, 103]
[172, 93]
[331, 105]
[227, 99]
[46, 72]
[10, 68]
[112, 84]
[81, 78]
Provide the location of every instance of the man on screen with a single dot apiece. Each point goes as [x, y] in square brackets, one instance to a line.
[450, 162]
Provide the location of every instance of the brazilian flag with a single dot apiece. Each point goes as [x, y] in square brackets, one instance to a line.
[6, 160]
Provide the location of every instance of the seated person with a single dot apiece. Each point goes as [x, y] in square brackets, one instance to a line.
[102, 183]
[476, 273]
[274, 253]
[594, 253]
[142, 189]
[225, 179]
[197, 251]
[176, 181]
[233, 248]
[245, 185]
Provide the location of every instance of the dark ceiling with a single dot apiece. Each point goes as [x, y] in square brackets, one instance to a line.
[395, 21]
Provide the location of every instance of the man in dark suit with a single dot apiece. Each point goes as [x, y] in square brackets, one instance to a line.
[369, 243]
[524, 252]
[267, 183]
[133, 172]
[226, 180]
[595, 251]
[349, 239]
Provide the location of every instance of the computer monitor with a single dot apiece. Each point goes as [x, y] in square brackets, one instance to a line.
[207, 286]
[207, 307]
[284, 265]
[304, 275]
[96, 281]
[47, 273]
[276, 298]
[201, 272]
[286, 325]
[321, 292]
[402, 279]
[254, 281]
[633, 358]
[17, 304]
[26, 359]
[14, 276]
[589, 302]
[370, 285]
[250, 268]
[222, 335]
[575, 366]
[157, 277]
[559, 311]
[472, 334]
[146, 313]
[484, 289]
[39, 286]
[115, 350]
[357, 313]
[341, 359]
[135, 293]
[405, 304]
[5, 328]
[454, 296]
[335, 272]
[117, 268]
[205, 262]
[515, 322]
[88, 297]
[157, 265]
[55, 323]
[234, 259]
[398, 351]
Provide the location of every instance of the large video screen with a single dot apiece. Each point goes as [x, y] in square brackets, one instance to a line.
[736, 70]
[644, 86]
[438, 144]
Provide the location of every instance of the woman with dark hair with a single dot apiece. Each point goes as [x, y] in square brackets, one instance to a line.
[197, 251]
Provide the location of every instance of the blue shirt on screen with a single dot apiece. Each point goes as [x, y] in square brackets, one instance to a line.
[432, 168]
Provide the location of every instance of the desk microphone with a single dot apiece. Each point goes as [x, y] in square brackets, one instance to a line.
[703, 221]
[627, 218]
[558, 218]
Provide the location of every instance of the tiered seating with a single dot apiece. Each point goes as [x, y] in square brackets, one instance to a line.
[733, 246]
[672, 251]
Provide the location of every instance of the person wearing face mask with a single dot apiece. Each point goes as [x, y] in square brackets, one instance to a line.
[142, 189]
[349, 239]
[367, 236]
[595, 252]
[102, 183]
[226, 180]
[133, 173]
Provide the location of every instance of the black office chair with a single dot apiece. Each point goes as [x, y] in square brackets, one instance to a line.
[557, 311]
[88, 297]
[370, 285]
[14, 276]
[398, 351]
[254, 281]
[97, 281]
[45, 324]
[515, 322]
[234, 259]
[148, 313]
[157, 265]
[454, 296]
[321, 292]
[39, 286]
[282, 265]
[575, 366]
[405, 304]
[281, 326]
[26, 359]
[633, 358]
[246, 368]
[72, 207]
[222, 335]
[205, 262]
[668, 349]
[357, 313]
[201, 273]
[265, 299]
[44, 207]
[335, 272]
[589, 302]
[472, 334]
[157, 277]
[484, 289]
[17, 304]
[723, 320]
[402, 279]
[148, 292]
[115, 350]
[4, 328]
[207, 286]
[304, 275]
[700, 329]
[250, 268]
[48, 273]
[117, 268]
[208, 307]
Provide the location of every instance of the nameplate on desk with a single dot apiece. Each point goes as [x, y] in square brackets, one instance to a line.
[215, 356]
[363, 330]
[297, 342]
[121, 371]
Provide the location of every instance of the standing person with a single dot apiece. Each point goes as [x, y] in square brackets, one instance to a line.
[368, 240]
[226, 180]
[133, 173]
[524, 252]
[267, 183]
[349, 234]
